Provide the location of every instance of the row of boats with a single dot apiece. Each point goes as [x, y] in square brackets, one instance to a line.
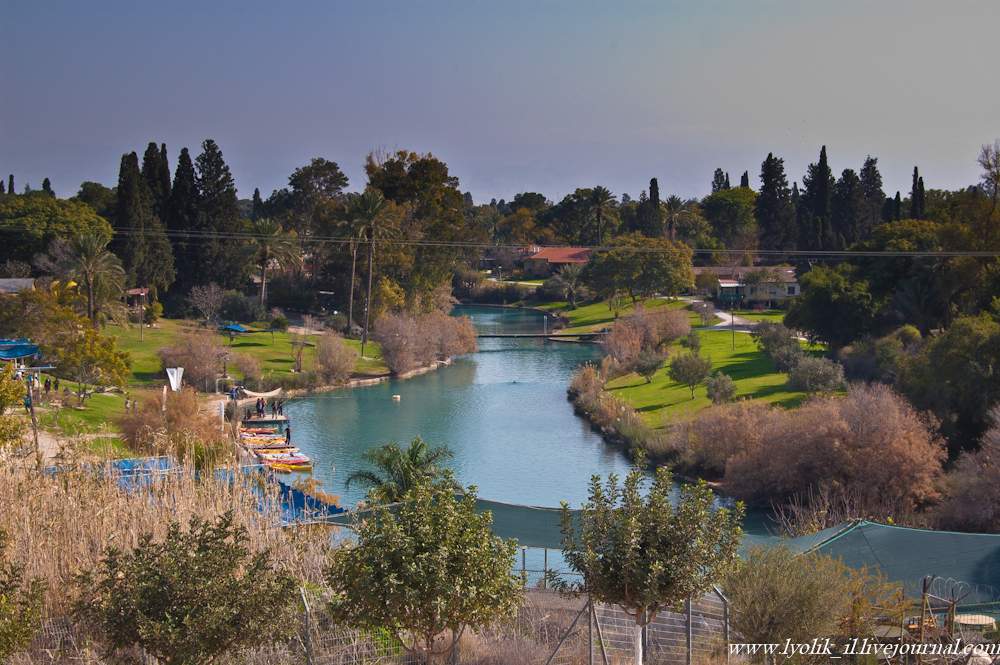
[269, 445]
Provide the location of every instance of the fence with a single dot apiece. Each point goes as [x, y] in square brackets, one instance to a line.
[550, 629]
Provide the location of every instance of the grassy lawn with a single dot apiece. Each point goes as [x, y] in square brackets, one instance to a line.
[99, 413]
[597, 315]
[770, 315]
[754, 374]
[274, 352]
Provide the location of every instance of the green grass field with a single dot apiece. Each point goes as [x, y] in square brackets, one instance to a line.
[597, 315]
[754, 373]
[274, 352]
[100, 413]
[770, 315]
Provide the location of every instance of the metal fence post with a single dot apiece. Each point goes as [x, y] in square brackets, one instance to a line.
[690, 640]
[545, 568]
[306, 628]
[524, 573]
[590, 631]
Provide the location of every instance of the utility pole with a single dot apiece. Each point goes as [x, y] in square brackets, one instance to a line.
[30, 403]
[368, 300]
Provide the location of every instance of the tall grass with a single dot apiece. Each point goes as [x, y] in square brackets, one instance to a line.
[61, 524]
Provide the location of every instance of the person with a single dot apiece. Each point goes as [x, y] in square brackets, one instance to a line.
[248, 414]
[274, 408]
[281, 407]
[48, 385]
[56, 385]
[288, 434]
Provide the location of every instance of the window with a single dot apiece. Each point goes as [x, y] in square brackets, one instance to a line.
[791, 289]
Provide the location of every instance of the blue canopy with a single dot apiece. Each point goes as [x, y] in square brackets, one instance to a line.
[234, 327]
[15, 349]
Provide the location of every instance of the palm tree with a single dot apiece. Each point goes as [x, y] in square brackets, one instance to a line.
[602, 205]
[397, 470]
[86, 260]
[367, 209]
[569, 280]
[676, 208]
[273, 246]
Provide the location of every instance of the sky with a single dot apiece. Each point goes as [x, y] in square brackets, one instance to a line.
[515, 96]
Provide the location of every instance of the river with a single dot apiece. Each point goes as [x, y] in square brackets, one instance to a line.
[502, 410]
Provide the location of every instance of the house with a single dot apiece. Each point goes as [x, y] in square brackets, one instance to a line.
[11, 286]
[547, 260]
[752, 285]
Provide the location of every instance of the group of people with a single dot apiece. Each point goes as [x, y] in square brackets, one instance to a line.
[277, 407]
[48, 385]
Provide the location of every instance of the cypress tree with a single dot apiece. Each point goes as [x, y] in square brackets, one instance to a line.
[257, 205]
[774, 209]
[898, 207]
[921, 208]
[164, 178]
[182, 216]
[874, 196]
[152, 164]
[814, 231]
[10, 184]
[745, 180]
[727, 181]
[718, 181]
[47, 188]
[847, 209]
[649, 212]
[225, 260]
[3, 190]
[915, 195]
[131, 217]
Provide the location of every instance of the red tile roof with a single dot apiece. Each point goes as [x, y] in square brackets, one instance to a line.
[561, 255]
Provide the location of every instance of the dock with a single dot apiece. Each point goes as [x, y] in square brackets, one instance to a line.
[595, 333]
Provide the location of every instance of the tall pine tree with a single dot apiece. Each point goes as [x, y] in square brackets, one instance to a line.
[874, 196]
[182, 218]
[3, 189]
[898, 207]
[153, 177]
[10, 184]
[225, 259]
[718, 181]
[256, 206]
[847, 210]
[141, 242]
[651, 213]
[774, 209]
[814, 218]
[47, 187]
[745, 180]
[922, 202]
[915, 203]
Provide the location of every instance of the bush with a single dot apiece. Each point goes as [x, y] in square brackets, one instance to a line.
[207, 300]
[692, 341]
[182, 431]
[239, 307]
[335, 360]
[720, 388]
[409, 342]
[199, 354]
[704, 444]
[189, 599]
[779, 343]
[816, 375]
[21, 606]
[690, 369]
[249, 367]
[972, 501]
[153, 313]
[647, 364]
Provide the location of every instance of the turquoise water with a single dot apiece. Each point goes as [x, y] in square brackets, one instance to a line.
[502, 410]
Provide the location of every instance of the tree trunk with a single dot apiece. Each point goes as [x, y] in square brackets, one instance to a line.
[637, 641]
[350, 303]
[368, 300]
[263, 286]
[91, 314]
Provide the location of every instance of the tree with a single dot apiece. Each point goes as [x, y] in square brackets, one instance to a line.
[745, 180]
[398, 471]
[816, 375]
[718, 181]
[847, 210]
[647, 364]
[314, 186]
[367, 210]
[569, 281]
[814, 210]
[86, 260]
[21, 604]
[47, 188]
[640, 266]
[190, 599]
[143, 246]
[644, 551]
[156, 176]
[916, 204]
[835, 306]
[774, 210]
[720, 388]
[428, 566]
[208, 301]
[222, 257]
[989, 161]
[88, 359]
[731, 214]
[275, 247]
[690, 370]
[10, 184]
[335, 360]
[101, 199]
[602, 206]
[29, 224]
[873, 196]
[182, 219]
[650, 212]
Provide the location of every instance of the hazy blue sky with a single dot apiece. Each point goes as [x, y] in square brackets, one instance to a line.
[543, 96]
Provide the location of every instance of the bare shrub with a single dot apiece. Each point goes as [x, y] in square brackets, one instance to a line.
[208, 301]
[200, 354]
[705, 311]
[870, 443]
[182, 430]
[824, 507]
[249, 367]
[409, 342]
[645, 330]
[708, 441]
[972, 489]
[624, 342]
[335, 360]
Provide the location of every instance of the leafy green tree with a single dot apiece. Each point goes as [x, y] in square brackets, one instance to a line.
[29, 224]
[86, 260]
[651, 212]
[397, 470]
[313, 186]
[917, 196]
[774, 210]
[690, 369]
[816, 375]
[429, 565]
[640, 267]
[731, 214]
[719, 181]
[256, 205]
[644, 551]
[20, 605]
[196, 596]
[88, 359]
[720, 388]
[100, 198]
[647, 364]
[569, 280]
[10, 184]
[223, 258]
[835, 306]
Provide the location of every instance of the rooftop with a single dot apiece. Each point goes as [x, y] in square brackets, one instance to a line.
[562, 255]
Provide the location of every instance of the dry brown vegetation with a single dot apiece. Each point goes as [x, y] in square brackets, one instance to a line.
[200, 354]
[334, 360]
[871, 444]
[973, 486]
[180, 430]
[613, 417]
[645, 330]
[412, 341]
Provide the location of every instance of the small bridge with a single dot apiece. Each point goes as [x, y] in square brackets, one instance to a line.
[579, 335]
